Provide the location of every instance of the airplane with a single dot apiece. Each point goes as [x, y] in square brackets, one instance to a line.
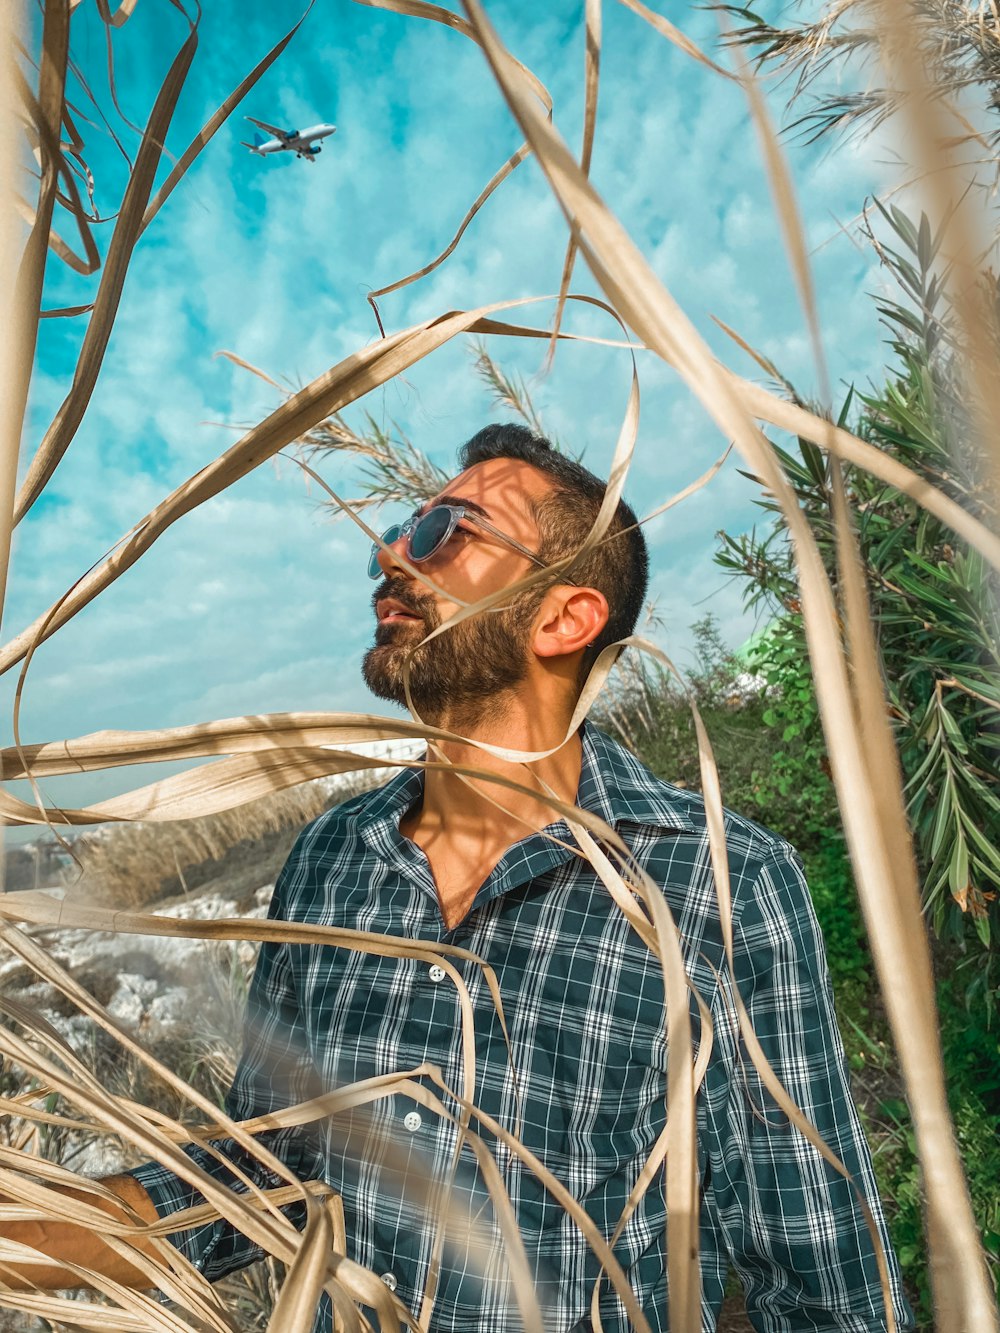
[299, 142]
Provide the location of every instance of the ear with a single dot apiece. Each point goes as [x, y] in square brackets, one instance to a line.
[569, 620]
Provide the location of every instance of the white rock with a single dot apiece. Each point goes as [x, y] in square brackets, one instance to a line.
[128, 1005]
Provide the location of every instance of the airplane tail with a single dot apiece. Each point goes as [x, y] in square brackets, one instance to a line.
[259, 138]
[252, 146]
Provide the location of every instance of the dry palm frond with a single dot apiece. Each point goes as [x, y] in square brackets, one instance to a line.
[131, 865]
[447, 18]
[16, 346]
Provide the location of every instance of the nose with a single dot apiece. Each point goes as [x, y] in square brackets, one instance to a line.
[387, 561]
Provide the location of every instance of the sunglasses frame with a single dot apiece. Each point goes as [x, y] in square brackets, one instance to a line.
[456, 514]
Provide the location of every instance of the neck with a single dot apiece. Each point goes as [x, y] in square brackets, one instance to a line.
[500, 815]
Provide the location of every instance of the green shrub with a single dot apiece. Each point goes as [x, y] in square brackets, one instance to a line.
[934, 600]
[792, 789]
[898, 1174]
[648, 709]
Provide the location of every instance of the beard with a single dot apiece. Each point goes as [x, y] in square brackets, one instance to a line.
[463, 673]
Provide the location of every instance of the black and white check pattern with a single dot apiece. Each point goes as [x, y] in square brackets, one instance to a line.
[584, 1004]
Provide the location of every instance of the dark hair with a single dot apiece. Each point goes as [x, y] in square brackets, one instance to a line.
[618, 567]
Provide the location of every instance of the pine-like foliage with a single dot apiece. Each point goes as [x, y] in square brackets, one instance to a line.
[957, 42]
[934, 600]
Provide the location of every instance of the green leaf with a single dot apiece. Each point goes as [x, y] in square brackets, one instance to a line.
[925, 246]
[945, 813]
[842, 416]
[988, 850]
[958, 870]
[815, 460]
[904, 317]
[952, 728]
[903, 227]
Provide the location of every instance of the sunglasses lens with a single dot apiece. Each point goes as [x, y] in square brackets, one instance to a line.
[429, 532]
[389, 536]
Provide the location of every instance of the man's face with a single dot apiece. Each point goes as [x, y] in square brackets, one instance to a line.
[463, 671]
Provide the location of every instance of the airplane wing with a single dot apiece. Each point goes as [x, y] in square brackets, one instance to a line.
[283, 135]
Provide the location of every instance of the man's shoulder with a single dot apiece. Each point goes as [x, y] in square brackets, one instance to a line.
[329, 847]
[343, 819]
[335, 836]
[641, 796]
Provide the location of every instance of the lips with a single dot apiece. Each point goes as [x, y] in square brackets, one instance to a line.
[390, 610]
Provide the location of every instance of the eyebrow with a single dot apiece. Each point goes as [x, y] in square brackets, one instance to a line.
[471, 505]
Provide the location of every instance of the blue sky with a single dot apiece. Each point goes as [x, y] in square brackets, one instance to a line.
[257, 602]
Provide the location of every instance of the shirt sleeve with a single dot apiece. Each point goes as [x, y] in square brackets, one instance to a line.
[274, 1071]
[792, 1226]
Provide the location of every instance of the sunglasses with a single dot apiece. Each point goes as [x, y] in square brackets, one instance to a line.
[426, 533]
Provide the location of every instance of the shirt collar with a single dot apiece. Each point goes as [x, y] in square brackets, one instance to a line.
[616, 786]
[613, 785]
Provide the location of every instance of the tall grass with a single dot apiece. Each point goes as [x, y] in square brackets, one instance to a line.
[133, 865]
[254, 758]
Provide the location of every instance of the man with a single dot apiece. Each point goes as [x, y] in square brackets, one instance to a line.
[438, 857]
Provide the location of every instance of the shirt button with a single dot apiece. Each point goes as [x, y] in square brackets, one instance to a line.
[412, 1121]
[390, 1280]
[436, 973]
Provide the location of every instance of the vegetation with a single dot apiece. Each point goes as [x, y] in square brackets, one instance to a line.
[934, 601]
[935, 604]
[394, 470]
[203, 1051]
[131, 866]
[954, 40]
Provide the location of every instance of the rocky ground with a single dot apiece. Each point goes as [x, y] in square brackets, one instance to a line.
[181, 998]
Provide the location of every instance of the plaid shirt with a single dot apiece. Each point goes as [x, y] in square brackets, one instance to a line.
[584, 1005]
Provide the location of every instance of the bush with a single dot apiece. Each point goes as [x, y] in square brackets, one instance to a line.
[974, 1106]
[934, 600]
[649, 711]
[761, 717]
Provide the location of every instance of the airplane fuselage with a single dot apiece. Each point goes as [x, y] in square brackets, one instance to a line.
[300, 142]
